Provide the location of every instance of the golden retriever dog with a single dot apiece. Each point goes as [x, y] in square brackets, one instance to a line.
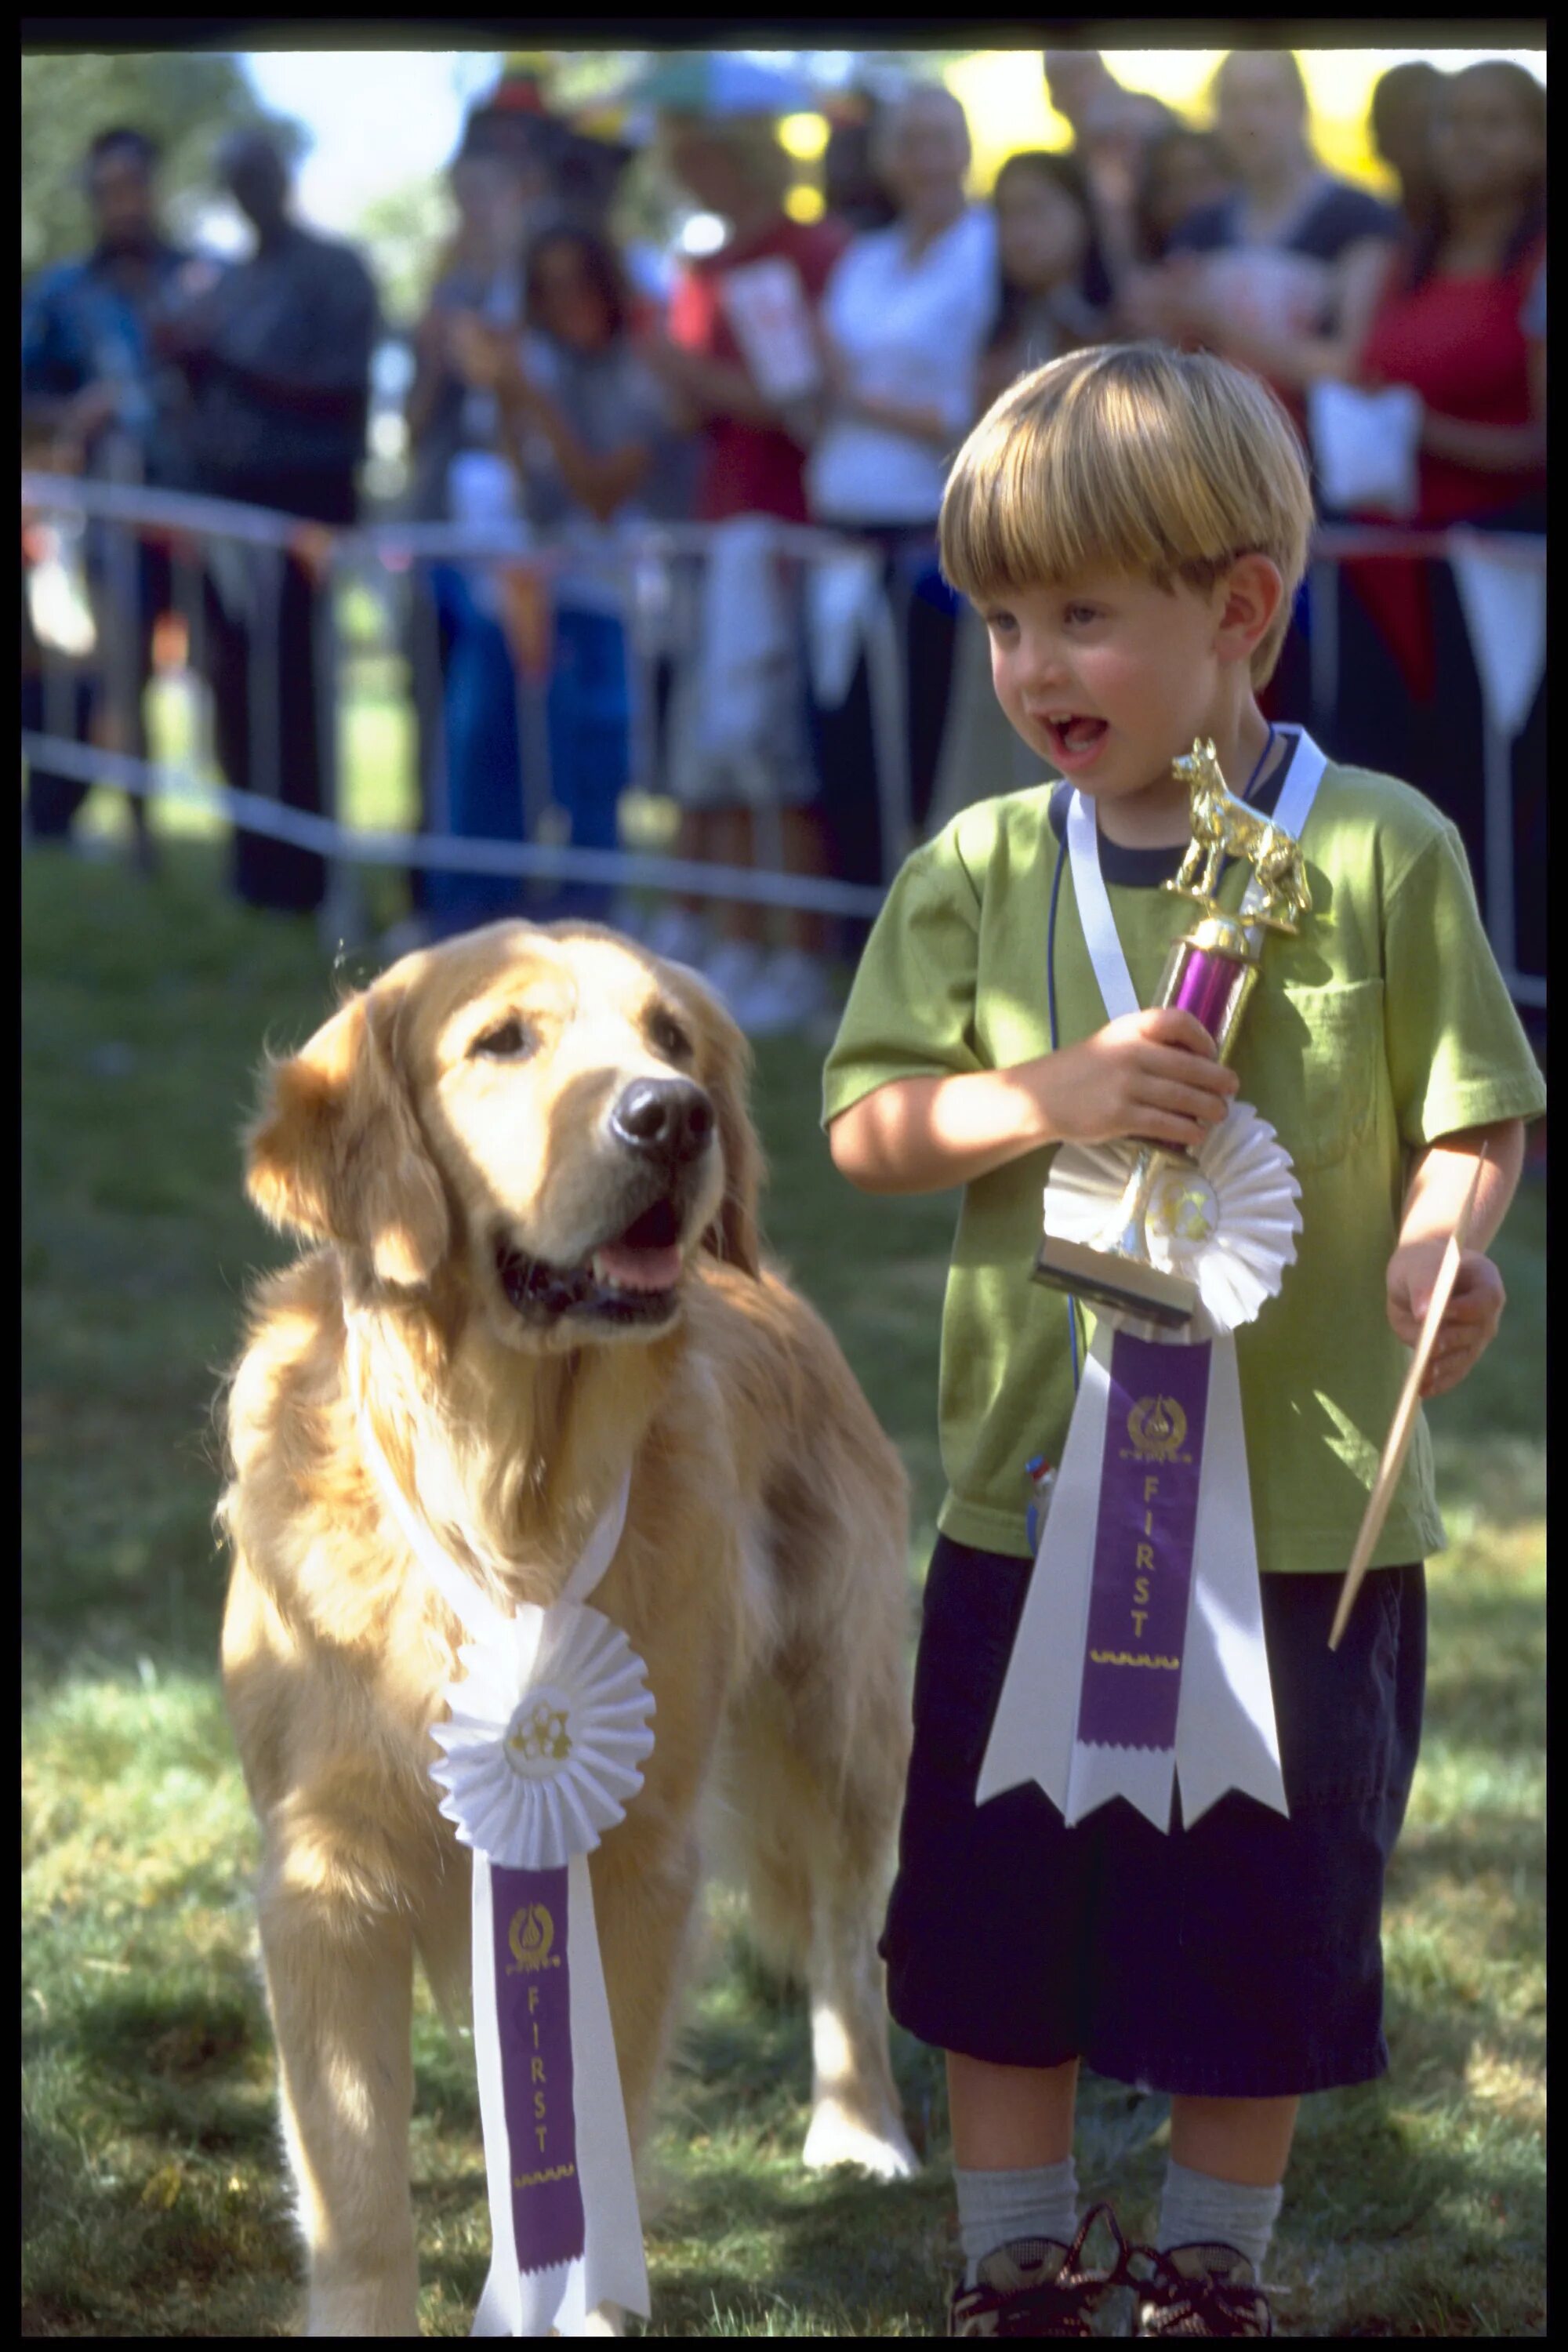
[525, 1162]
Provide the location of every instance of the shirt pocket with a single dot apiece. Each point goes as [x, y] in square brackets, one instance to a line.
[1316, 1056]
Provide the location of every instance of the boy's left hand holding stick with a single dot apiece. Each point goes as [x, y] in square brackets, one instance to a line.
[1432, 1207]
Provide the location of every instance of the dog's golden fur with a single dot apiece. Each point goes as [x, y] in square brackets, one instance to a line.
[450, 1125]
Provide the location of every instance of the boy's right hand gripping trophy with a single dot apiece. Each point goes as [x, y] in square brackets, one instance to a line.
[1131, 1264]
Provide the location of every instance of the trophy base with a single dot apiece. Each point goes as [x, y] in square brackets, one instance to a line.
[1129, 1285]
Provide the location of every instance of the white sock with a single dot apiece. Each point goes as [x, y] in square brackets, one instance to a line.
[1198, 2209]
[995, 2207]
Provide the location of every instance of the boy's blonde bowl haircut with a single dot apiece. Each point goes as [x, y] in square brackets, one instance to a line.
[1130, 457]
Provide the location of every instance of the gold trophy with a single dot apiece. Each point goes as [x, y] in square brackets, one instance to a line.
[1211, 973]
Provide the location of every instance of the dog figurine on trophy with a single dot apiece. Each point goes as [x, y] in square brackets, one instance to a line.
[1211, 973]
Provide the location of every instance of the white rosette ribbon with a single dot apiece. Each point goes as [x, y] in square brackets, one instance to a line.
[1229, 1222]
[545, 1738]
[541, 1753]
[543, 1750]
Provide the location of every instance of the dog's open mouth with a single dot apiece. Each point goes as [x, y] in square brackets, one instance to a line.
[631, 1280]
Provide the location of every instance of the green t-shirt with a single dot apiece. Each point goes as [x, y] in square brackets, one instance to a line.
[1384, 1025]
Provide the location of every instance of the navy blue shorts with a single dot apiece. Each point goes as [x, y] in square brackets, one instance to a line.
[1239, 1959]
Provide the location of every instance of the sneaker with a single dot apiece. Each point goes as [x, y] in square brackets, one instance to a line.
[1200, 2290]
[732, 969]
[1038, 2287]
[679, 934]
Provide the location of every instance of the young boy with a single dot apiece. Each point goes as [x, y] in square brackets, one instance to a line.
[1131, 524]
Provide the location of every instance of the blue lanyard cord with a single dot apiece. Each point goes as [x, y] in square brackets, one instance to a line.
[1051, 941]
[1051, 1014]
[1262, 758]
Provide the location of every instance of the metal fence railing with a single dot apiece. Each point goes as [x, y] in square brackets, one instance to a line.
[214, 547]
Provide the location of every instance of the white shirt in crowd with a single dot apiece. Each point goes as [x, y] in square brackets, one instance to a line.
[906, 330]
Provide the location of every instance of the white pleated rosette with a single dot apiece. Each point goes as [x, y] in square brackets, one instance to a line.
[1228, 1223]
[547, 1734]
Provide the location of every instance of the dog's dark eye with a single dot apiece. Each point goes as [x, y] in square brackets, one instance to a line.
[670, 1038]
[503, 1043]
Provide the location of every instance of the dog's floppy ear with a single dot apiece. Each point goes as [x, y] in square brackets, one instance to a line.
[337, 1154]
[733, 1236]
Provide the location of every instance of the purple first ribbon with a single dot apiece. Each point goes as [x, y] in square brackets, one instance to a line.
[1143, 1544]
[533, 2009]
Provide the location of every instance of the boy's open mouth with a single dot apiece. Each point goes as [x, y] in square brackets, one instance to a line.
[1073, 739]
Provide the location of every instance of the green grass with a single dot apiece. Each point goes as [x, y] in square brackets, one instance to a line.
[153, 2200]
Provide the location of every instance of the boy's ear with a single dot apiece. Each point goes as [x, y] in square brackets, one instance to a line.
[1254, 591]
[337, 1155]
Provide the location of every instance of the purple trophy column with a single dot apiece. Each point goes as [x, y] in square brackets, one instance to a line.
[1206, 984]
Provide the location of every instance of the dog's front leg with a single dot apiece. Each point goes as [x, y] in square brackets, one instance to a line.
[645, 1886]
[340, 1986]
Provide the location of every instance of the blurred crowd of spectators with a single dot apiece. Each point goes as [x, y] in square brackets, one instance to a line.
[568, 392]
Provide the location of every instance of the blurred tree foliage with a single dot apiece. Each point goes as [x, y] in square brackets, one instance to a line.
[186, 102]
[402, 234]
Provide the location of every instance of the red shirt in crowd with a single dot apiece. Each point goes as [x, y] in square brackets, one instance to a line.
[749, 469]
[1460, 343]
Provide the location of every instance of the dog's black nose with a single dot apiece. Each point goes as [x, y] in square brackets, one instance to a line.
[667, 1119]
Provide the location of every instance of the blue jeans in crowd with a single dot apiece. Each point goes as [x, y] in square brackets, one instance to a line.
[483, 759]
[588, 720]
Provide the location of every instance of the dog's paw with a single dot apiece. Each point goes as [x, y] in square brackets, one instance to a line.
[605, 2319]
[837, 2137]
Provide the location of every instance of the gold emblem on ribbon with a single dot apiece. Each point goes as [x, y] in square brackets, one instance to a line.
[530, 1935]
[1157, 1428]
[540, 1737]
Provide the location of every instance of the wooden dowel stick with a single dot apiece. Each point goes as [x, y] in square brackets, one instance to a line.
[1398, 1442]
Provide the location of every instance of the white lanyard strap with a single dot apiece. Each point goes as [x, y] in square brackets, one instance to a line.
[479, 1616]
[1094, 911]
[1293, 806]
[1105, 949]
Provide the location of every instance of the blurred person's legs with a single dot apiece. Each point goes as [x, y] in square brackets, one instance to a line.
[1450, 733]
[1529, 848]
[269, 872]
[1455, 758]
[1289, 693]
[1410, 705]
[427, 638]
[678, 926]
[53, 799]
[851, 810]
[930, 634]
[927, 613]
[590, 744]
[130, 588]
[261, 609]
[1373, 723]
[57, 699]
[484, 760]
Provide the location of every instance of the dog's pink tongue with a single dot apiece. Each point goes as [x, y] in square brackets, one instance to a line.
[627, 1268]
